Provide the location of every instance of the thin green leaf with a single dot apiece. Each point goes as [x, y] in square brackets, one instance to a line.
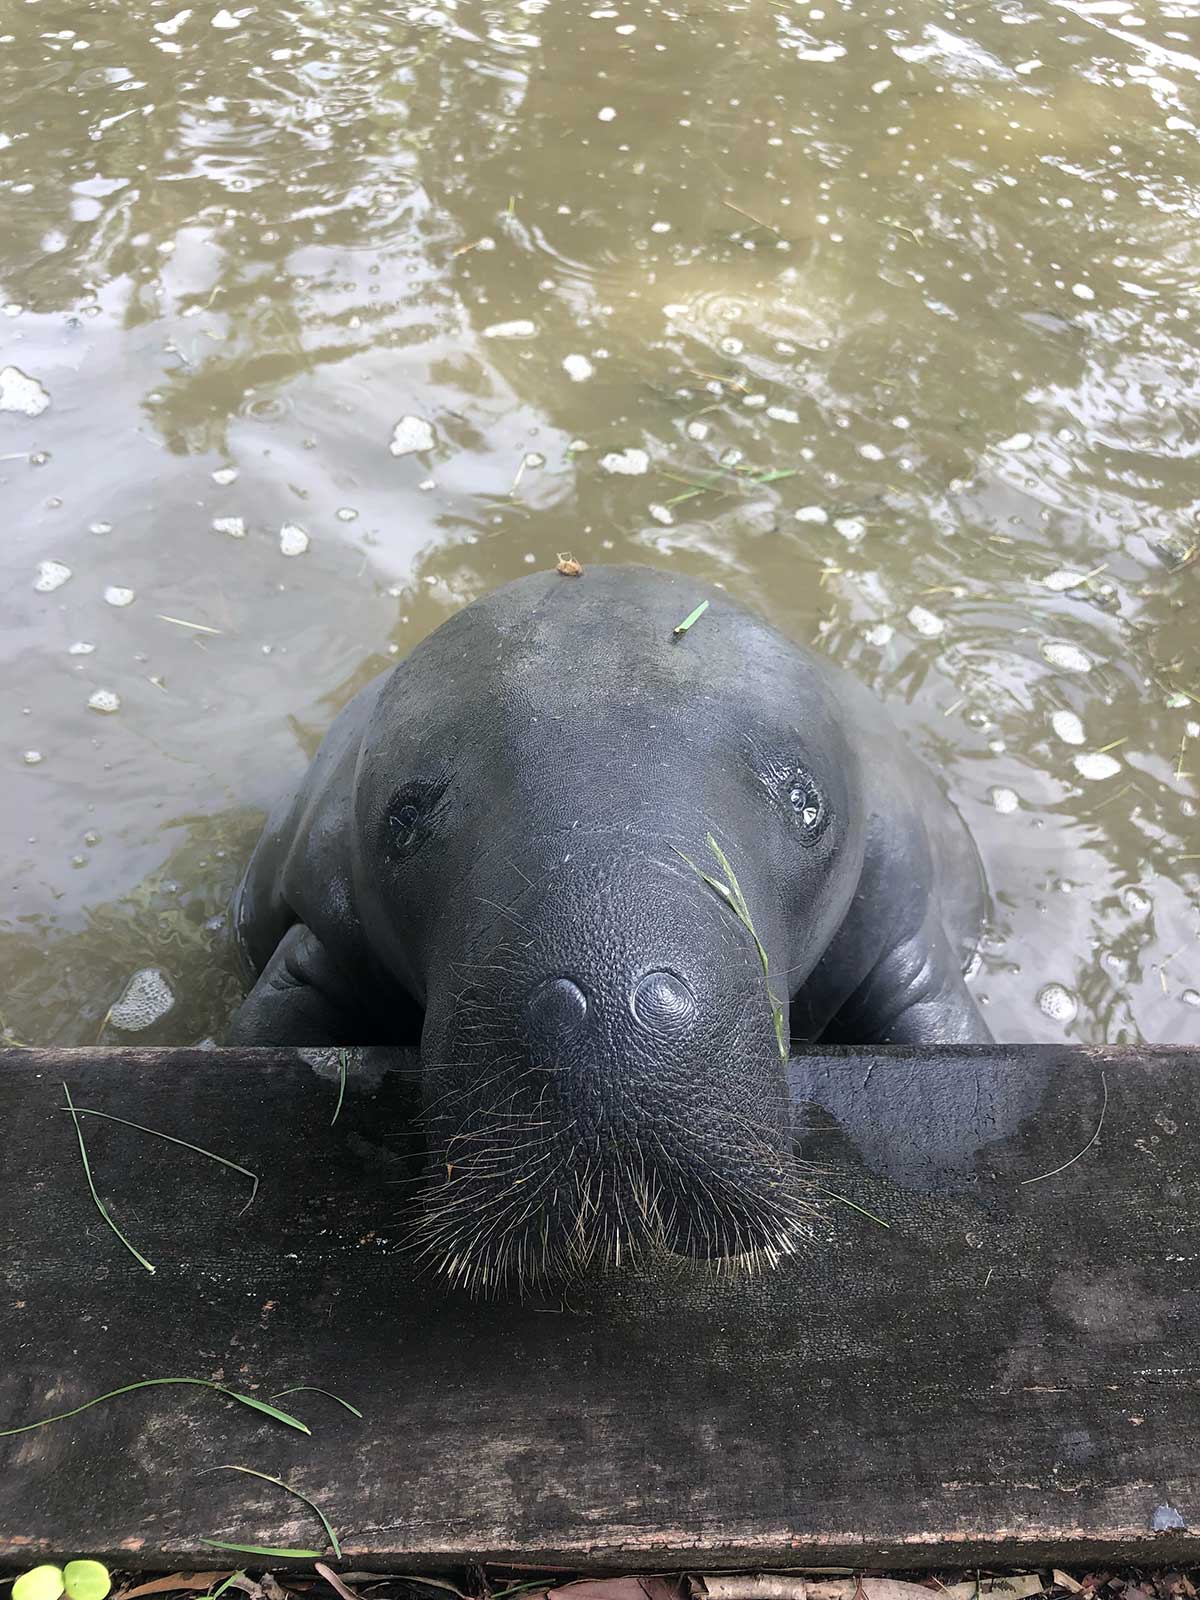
[215, 1594]
[692, 617]
[253, 1472]
[154, 1383]
[309, 1388]
[86, 1111]
[100, 1206]
[341, 1086]
[261, 1549]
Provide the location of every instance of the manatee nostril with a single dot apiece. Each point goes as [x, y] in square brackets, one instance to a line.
[662, 1000]
[556, 1007]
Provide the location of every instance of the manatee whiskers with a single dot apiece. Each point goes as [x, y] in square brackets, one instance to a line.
[500, 1213]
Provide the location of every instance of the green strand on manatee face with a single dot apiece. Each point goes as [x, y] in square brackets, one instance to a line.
[731, 893]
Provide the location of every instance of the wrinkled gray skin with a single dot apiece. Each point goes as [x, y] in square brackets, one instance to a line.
[486, 857]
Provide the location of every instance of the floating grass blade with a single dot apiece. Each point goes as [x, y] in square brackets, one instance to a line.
[100, 1206]
[691, 618]
[154, 1383]
[341, 1087]
[253, 1472]
[86, 1111]
[309, 1388]
[261, 1549]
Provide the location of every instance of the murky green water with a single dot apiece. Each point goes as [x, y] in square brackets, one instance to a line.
[896, 306]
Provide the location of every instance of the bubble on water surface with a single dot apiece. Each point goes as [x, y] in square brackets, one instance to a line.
[104, 700]
[1067, 656]
[411, 436]
[811, 514]
[1096, 766]
[81, 647]
[626, 463]
[235, 527]
[147, 998]
[116, 596]
[19, 392]
[1068, 727]
[32, 758]
[50, 575]
[578, 368]
[1058, 1003]
[293, 541]
[606, 113]
[1191, 997]
[1005, 801]
[225, 476]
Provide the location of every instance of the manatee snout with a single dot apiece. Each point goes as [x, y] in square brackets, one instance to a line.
[602, 1077]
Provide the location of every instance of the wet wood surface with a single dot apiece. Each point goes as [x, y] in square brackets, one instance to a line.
[1008, 1371]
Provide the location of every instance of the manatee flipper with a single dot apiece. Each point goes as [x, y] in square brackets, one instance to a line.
[915, 994]
[301, 998]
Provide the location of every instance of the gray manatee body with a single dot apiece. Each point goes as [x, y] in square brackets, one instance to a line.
[507, 850]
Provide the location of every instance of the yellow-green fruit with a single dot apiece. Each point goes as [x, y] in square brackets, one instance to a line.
[43, 1583]
[85, 1580]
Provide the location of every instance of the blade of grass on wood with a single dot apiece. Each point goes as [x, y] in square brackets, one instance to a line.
[86, 1111]
[100, 1206]
[253, 1472]
[261, 1549]
[310, 1388]
[154, 1383]
[341, 1087]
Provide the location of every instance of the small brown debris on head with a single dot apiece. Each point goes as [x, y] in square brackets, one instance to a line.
[568, 566]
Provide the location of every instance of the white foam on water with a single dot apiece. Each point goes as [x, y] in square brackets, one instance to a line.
[578, 368]
[1068, 727]
[1062, 580]
[411, 436]
[1005, 801]
[1067, 656]
[147, 998]
[116, 596]
[626, 463]
[293, 541]
[81, 647]
[1096, 765]
[225, 475]
[32, 758]
[50, 575]
[105, 700]
[1057, 1002]
[235, 527]
[811, 514]
[926, 623]
[19, 392]
[519, 328]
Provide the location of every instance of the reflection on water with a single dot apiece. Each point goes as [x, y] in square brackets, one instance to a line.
[886, 318]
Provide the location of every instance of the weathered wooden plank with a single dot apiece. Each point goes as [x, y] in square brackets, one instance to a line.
[1010, 1371]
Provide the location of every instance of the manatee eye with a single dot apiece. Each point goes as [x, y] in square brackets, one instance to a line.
[808, 806]
[408, 818]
